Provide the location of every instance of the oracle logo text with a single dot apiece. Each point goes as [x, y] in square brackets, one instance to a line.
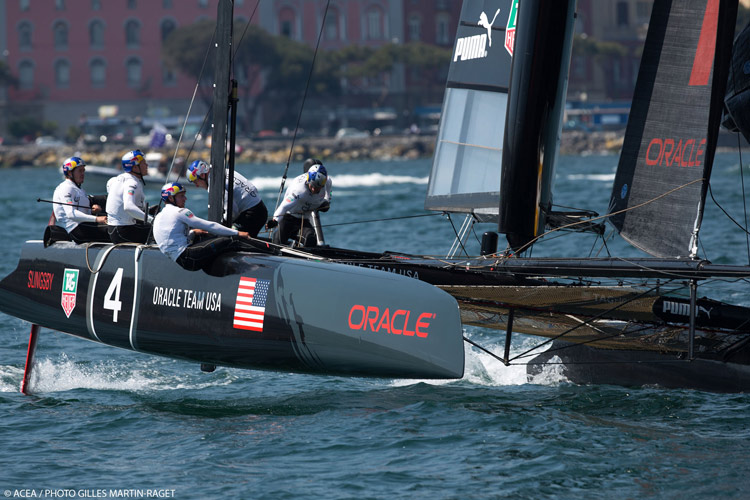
[680, 153]
[398, 323]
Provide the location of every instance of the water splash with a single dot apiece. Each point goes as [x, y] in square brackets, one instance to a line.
[591, 177]
[348, 181]
[64, 374]
[483, 369]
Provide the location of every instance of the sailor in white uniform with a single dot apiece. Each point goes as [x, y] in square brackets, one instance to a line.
[249, 213]
[72, 207]
[126, 203]
[172, 232]
[307, 193]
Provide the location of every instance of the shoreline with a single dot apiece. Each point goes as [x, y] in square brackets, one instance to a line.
[276, 151]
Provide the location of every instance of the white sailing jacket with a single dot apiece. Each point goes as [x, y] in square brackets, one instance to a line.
[299, 201]
[244, 196]
[172, 228]
[126, 202]
[66, 196]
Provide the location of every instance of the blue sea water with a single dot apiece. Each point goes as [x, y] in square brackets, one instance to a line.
[105, 423]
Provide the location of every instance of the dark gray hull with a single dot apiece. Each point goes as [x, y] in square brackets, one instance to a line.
[315, 318]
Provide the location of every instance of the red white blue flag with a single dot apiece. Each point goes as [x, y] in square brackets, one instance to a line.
[250, 307]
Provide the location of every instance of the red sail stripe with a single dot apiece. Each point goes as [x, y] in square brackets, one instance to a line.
[704, 53]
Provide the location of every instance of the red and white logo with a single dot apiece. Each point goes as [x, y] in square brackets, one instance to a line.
[69, 291]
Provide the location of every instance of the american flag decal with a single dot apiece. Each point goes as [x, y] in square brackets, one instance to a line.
[250, 307]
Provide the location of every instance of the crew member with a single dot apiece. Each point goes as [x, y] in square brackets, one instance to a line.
[172, 232]
[248, 210]
[307, 193]
[73, 209]
[126, 203]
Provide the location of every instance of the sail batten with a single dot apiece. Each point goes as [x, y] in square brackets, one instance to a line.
[659, 191]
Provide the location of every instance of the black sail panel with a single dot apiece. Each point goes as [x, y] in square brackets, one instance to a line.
[659, 190]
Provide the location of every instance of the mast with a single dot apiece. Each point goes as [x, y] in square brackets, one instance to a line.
[536, 100]
[221, 103]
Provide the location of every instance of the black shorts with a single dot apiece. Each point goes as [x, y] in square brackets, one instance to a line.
[200, 255]
[86, 232]
[289, 228]
[137, 233]
[253, 219]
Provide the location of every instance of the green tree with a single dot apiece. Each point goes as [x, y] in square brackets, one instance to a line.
[6, 77]
[271, 70]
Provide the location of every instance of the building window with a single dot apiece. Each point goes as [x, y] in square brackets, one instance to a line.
[98, 73]
[374, 19]
[415, 28]
[62, 74]
[60, 4]
[132, 4]
[60, 30]
[332, 25]
[24, 35]
[442, 28]
[133, 67]
[24, 5]
[286, 22]
[26, 75]
[622, 14]
[96, 4]
[96, 34]
[166, 4]
[168, 77]
[167, 27]
[132, 33]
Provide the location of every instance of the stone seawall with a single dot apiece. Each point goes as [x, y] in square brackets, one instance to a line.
[277, 150]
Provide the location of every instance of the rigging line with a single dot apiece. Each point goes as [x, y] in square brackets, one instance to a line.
[529, 353]
[456, 233]
[710, 191]
[742, 175]
[244, 32]
[605, 216]
[190, 107]
[483, 349]
[634, 362]
[631, 333]
[744, 202]
[302, 106]
[381, 220]
[584, 323]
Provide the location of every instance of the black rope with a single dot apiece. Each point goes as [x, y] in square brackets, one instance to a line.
[711, 192]
[302, 106]
[244, 32]
[483, 349]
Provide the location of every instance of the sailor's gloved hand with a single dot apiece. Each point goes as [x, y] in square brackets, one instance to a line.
[153, 210]
[324, 206]
[272, 223]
